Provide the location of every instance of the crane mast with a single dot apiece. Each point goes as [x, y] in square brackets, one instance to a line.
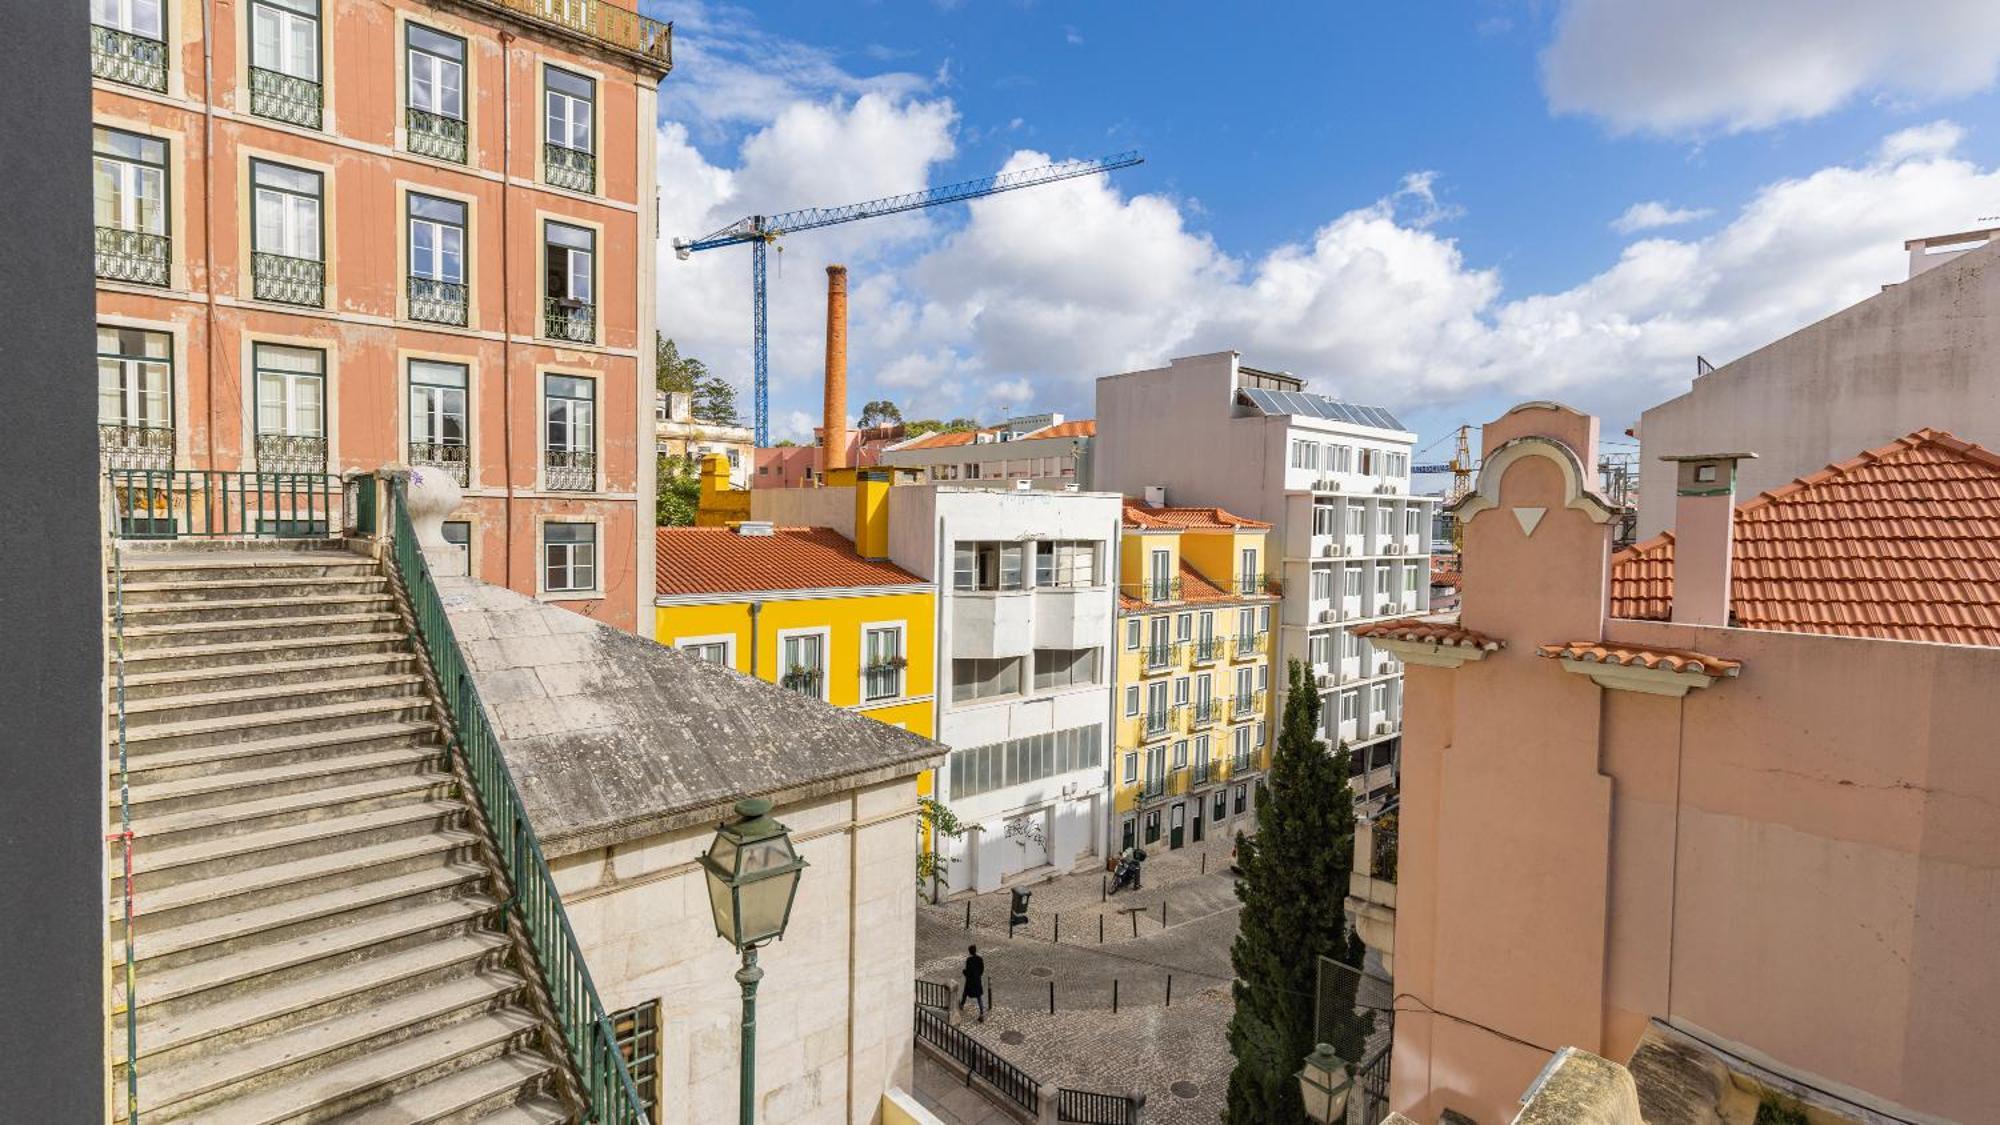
[761, 231]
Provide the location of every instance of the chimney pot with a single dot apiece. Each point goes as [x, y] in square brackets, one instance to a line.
[1156, 495]
[1704, 535]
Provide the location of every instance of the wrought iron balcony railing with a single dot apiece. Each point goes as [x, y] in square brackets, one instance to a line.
[134, 256]
[283, 97]
[135, 447]
[1248, 705]
[1205, 712]
[566, 319]
[135, 60]
[435, 135]
[291, 453]
[1159, 656]
[1208, 651]
[604, 22]
[287, 280]
[439, 302]
[1152, 787]
[1249, 646]
[1252, 585]
[567, 167]
[1241, 764]
[882, 681]
[570, 470]
[803, 682]
[453, 457]
[1156, 724]
[1201, 772]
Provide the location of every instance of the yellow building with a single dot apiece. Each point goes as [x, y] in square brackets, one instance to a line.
[1194, 729]
[800, 607]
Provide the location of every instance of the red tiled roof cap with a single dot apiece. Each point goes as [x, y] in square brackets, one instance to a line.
[1421, 631]
[1669, 659]
[1144, 516]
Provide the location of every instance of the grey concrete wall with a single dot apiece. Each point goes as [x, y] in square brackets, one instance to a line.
[1925, 352]
[52, 807]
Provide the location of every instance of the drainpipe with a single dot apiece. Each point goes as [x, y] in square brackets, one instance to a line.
[506, 298]
[755, 609]
[208, 209]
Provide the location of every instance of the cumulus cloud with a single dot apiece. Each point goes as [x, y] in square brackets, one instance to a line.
[1699, 65]
[1653, 214]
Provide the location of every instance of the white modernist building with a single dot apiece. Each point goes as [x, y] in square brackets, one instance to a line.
[1028, 451]
[1026, 586]
[1333, 480]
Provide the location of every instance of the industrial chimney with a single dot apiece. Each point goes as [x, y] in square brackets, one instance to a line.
[835, 424]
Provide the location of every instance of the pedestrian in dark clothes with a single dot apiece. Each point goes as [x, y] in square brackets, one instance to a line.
[975, 981]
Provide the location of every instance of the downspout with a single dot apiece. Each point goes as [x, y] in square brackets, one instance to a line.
[506, 300]
[755, 609]
[208, 212]
[938, 665]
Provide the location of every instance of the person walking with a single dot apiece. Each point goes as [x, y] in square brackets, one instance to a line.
[975, 981]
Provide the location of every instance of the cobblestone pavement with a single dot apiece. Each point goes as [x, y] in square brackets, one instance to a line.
[1178, 1055]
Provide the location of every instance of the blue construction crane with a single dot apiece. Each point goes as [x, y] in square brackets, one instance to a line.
[760, 231]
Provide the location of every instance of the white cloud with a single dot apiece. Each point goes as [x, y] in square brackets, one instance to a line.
[1653, 214]
[1934, 139]
[1734, 65]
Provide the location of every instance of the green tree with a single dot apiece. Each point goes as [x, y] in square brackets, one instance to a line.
[880, 412]
[1294, 878]
[936, 820]
[712, 397]
[934, 426]
[715, 401]
[680, 492]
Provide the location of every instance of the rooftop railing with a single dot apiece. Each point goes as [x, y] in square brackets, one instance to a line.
[606, 23]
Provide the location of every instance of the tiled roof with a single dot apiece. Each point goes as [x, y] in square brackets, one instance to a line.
[941, 440]
[1082, 427]
[1901, 543]
[1145, 516]
[717, 560]
[1669, 659]
[1422, 631]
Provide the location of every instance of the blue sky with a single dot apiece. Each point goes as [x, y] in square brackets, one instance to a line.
[1416, 205]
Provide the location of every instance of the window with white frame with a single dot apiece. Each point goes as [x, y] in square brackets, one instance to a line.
[1246, 693]
[1354, 517]
[1201, 745]
[882, 662]
[802, 664]
[436, 71]
[129, 189]
[1349, 702]
[1410, 515]
[1382, 580]
[1020, 761]
[135, 371]
[1065, 563]
[1132, 701]
[569, 288]
[1263, 619]
[1326, 519]
[1184, 628]
[973, 678]
[570, 113]
[438, 416]
[1131, 633]
[1241, 737]
[1180, 754]
[569, 432]
[1317, 650]
[1352, 581]
[1131, 768]
[134, 17]
[1061, 668]
[986, 566]
[708, 652]
[290, 388]
[1322, 584]
[437, 258]
[1341, 459]
[287, 203]
[569, 557]
[1180, 691]
[284, 38]
[1156, 708]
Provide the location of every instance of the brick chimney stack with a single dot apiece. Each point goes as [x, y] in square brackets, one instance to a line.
[834, 454]
[1704, 535]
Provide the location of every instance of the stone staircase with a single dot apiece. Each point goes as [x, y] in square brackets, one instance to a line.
[319, 934]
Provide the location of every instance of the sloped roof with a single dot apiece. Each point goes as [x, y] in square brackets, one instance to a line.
[941, 439]
[1901, 543]
[1082, 427]
[1143, 516]
[717, 560]
[1446, 632]
[1630, 656]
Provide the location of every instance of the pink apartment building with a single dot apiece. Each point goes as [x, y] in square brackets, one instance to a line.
[1736, 788]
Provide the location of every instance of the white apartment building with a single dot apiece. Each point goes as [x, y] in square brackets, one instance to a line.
[1333, 480]
[1029, 451]
[1026, 584]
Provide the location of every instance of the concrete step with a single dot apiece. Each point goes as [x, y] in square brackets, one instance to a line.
[405, 776]
[203, 590]
[341, 1062]
[231, 565]
[159, 949]
[213, 897]
[147, 767]
[256, 851]
[144, 638]
[250, 610]
[266, 673]
[265, 725]
[228, 1014]
[328, 643]
[270, 699]
[500, 1092]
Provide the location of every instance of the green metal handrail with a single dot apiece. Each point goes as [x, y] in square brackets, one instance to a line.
[593, 1046]
[215, 503]
[124, 839]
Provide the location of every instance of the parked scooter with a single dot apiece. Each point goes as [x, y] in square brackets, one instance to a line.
[1127, 872]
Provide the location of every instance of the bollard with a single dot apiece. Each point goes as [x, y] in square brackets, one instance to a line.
[1163, 914]
[1135, 922]
[968, 914]
[1100, 929]
[1204, 863]
[1052, 998]
[1170, 990]
[1114, 996]
[1058, 929]
[1103, 889]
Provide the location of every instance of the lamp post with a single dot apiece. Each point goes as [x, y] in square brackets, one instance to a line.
[753, 876]
[1324, 1083]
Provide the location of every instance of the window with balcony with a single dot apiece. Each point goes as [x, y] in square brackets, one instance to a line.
[1249, 580]
[434, 113]
[975, 678]
[1246, 692]
[1159, 646]
[1065, 563]
[1156, 709]
[287, 252]
[569, 433]
[438, 434]
[569, 557]
[284, 61]
[568, 157]
[1162, 584]
[986, 566]
[1156, 774]
[1326, 519]
[1062, 668]
[569, 306]
[135, 405]
[129, 184]
[128, 43]
[290, 388]
[1351, 581]
[802, 664]
[1240, 738]
[882, 663]
[438, 291]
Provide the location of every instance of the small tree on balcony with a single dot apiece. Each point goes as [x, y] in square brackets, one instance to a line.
[1294, 879]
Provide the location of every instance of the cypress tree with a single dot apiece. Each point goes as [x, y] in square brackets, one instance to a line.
[1294, 879]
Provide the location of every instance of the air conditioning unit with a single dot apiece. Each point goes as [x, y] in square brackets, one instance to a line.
[1325, 616]
[1392, 548]
[1330, 550]
[1324, 679]
[1381, 728]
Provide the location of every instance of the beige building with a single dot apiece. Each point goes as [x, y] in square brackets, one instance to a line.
[680, 434]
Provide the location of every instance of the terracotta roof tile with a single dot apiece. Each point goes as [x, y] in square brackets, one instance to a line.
[940, 440]
[717, 560]
[1429, 631]
[1144, 516]
[1082, 427]
[1670, 659]
[1901, 543]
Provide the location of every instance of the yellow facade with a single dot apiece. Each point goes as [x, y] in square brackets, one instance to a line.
[1190, 615]
[838, 616]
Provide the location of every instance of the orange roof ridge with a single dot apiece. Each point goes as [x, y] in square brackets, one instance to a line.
[1639, 656]
[719, 560]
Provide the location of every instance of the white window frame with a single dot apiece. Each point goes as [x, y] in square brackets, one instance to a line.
[442, 77]
[726, 640]
[127, 16]
[1131, 701]
[902, 633]
[430, 402]
[542, 557]
[437, 247]
[290, 30]
[566, 115]
[297, 228]
[821, 633]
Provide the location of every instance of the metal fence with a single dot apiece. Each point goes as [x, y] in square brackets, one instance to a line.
[210, 503]
[1373, 1080]
[1088, 1107]
[979, 1061]
[931, 994]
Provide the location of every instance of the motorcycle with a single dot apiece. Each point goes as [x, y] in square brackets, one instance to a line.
[1127, 872]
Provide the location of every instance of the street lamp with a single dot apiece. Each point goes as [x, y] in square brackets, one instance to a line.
[1324, 1083]
[753, 876]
